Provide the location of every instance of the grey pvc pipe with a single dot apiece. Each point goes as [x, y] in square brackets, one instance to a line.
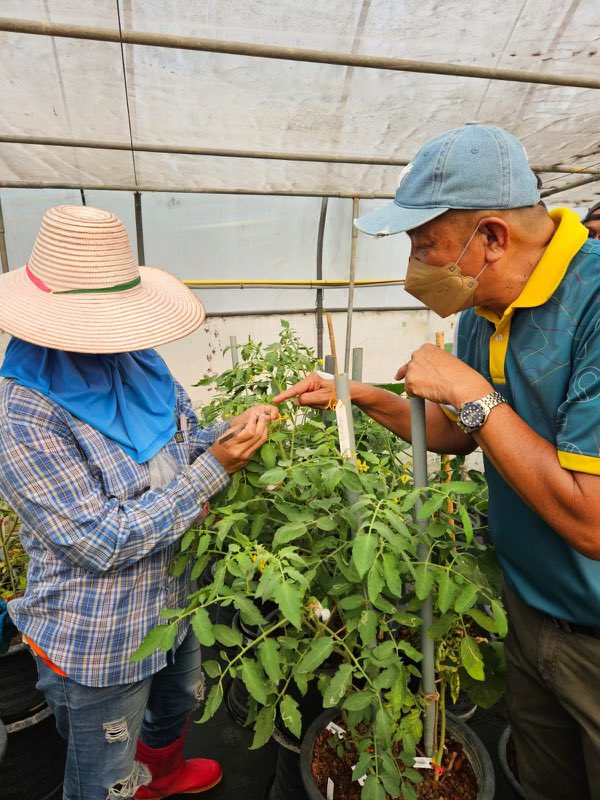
[139, 228]
[234, 350]
[351, 281]
[419, 448]
[319, 300]
[357, 363]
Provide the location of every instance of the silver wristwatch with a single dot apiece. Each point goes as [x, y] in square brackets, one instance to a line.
[472, 415]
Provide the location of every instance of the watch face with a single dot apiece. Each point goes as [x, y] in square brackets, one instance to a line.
[472, 415]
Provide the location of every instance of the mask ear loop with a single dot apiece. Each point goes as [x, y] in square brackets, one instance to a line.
[464, 250]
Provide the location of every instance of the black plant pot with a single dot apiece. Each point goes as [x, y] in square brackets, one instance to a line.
[236, 699]
[34, 764]
[287, 783]
[473, 746]
[503, 745]
[18, 676]
[2, 741]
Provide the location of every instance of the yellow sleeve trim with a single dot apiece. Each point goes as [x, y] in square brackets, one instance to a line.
[579, 463]
[452, 415]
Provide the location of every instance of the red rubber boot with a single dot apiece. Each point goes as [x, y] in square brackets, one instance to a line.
[172, 774]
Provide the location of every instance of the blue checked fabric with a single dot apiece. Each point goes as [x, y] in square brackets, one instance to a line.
[100, 540]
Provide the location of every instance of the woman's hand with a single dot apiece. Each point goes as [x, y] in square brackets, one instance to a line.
[239, 443]
[271, 411]
[313, 391]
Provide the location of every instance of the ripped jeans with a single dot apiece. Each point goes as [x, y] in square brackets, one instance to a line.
[102, 724]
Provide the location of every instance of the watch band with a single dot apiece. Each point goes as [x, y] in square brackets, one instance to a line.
[485, 404]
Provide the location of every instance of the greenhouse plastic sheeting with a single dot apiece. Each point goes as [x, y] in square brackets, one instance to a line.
[68, 88]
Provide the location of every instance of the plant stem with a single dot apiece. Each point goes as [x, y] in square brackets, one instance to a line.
[442, 717]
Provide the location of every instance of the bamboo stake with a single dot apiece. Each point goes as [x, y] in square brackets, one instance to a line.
[332, 341]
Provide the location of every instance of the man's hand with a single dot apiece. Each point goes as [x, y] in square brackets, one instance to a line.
[313, 391]
[234, 451]
[436, 375]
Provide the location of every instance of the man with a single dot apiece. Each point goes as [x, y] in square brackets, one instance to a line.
[592, 221]
[525, 388]
[102, 457]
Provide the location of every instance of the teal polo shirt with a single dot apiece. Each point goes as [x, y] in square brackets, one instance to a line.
[543, 356]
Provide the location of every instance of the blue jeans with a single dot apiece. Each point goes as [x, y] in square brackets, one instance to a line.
[102, 724]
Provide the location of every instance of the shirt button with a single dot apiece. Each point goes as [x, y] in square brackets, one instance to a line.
[499, 337]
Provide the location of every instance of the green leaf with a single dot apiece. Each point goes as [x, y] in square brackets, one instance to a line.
[188, 538]
[272, 476]
[289, 599]
[391, 575]
[288, 532]
[326, 523]
[268, 655]
[268, 454]
[338, 686]
[396, 388]
[431, 505]
[318, 650]
[228, 637]
[212, 668]
[367, 626]
[215, 696]
[254, 681]
[383, 726]
[467, 524]
[357, 701]
[423, 582]
[288, 709]
[373, 789]
[352, 602]
[202, 627]
[471, 658]
[447, 591]
[263, 727]
[363, 552]
[248, 611]
[151, 642]
[466, 599]
[375, 583]
[500, 617]
[483, 620]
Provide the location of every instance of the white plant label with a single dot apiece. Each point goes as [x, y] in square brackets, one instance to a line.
[361, 781]
[333, 728]
[343, 430]
[421, 762]
[330, 788]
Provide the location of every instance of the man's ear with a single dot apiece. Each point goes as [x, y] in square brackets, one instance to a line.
[497, 234]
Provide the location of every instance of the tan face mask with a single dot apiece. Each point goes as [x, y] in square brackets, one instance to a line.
[444, 290]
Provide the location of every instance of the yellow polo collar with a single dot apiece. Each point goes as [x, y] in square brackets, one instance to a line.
[570, 234]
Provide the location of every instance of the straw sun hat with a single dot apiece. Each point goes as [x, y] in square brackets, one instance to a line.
[82, 290]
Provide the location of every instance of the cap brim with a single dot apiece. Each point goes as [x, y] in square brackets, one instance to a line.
[392, 218]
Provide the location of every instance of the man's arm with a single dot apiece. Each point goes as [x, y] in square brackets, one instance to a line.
[391, 411]
[567, 500]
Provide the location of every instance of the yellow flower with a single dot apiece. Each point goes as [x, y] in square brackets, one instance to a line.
[361, 466]
[404, 478]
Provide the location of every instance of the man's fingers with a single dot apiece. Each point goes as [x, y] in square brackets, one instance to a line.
[291, 391]
[401, 372]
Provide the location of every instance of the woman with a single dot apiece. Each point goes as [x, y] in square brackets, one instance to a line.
[102, 457]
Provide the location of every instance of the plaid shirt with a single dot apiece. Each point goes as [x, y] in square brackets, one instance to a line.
[100, 540]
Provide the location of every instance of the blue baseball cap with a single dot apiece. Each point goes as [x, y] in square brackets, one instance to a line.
[473, 167]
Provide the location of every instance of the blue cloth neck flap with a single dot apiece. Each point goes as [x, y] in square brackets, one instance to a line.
[129, 397]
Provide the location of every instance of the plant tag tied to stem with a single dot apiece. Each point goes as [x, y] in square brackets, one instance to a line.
[333, 728]
[422, 762]
[330, 788]
[361, 781]
[341, 416]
